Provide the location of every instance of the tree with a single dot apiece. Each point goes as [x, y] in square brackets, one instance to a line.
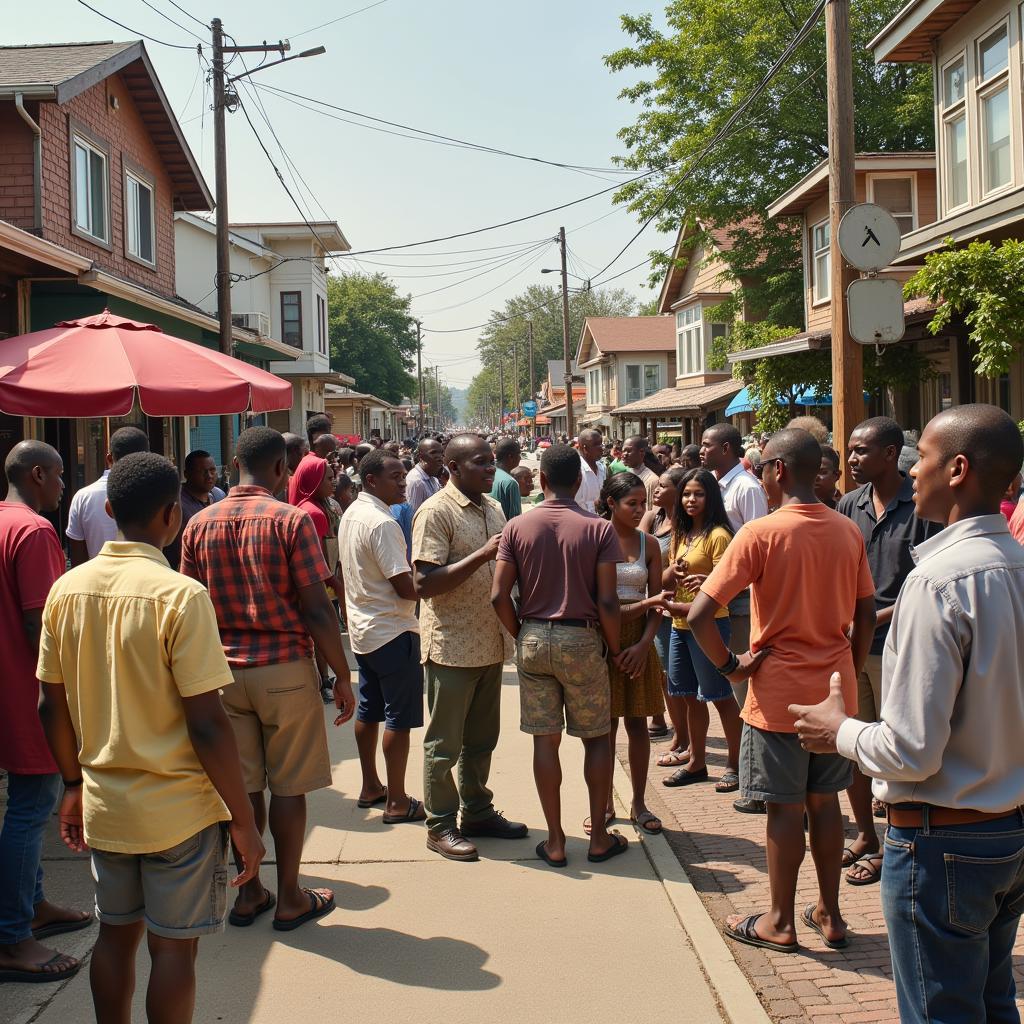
[372, 334]
[501, 335]
[982, 283]
[694, 76]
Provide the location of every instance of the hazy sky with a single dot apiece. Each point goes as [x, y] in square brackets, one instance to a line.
[526, 77]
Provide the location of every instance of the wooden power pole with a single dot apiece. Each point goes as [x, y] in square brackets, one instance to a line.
[419, 372]
[501, 392]
[847, 362]
[438, 421]
[532, 390]
[515, 381]
[570, 424]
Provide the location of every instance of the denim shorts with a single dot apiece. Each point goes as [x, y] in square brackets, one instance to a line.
[391, 684]
[663, 640]
[690, 673]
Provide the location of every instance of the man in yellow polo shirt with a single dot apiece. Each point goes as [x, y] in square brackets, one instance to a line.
[131, 665]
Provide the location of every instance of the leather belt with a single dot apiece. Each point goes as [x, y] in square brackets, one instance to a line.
[913, 816]
[580, 623]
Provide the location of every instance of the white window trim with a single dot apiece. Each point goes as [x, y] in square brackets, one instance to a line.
[140, 177]
[657, 368]
[80, 138]
[697, 323]
[947, 115]
[816, 298]
[983, 90]
[874, 176]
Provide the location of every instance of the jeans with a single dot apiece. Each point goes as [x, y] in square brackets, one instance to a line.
[30, 802]
[952, 899]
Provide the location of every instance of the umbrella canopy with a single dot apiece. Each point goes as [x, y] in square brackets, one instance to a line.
[97, 366]
[745, 402]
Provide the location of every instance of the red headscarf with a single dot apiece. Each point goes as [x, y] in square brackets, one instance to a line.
[302, 488]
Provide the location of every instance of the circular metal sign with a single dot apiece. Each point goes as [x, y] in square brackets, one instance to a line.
[869, 237]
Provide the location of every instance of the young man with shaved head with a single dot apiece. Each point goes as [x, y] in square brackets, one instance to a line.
[946, 753]
[809, 580]
[455, 543]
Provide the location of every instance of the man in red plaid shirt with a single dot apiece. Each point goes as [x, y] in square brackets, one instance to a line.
[263, 565]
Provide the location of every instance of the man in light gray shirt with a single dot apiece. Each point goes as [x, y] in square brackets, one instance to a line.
[422, 480]
[946, 754]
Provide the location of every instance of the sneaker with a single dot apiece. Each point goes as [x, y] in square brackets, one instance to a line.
[496, 827]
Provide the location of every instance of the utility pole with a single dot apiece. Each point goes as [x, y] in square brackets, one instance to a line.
[223, 100]
[438, 423]
[533, 390]
[515, 381]
[847, 362]
[570, 425]
[501, 392]
[419, 373]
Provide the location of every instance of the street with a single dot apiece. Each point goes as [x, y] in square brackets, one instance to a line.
[504, 939]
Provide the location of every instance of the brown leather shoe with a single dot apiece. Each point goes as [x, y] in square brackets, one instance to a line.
[496, 827]
[451, 843]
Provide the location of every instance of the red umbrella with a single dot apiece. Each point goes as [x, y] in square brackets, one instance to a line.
[97, 365]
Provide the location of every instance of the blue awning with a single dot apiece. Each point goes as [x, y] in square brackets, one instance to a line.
[744, 402]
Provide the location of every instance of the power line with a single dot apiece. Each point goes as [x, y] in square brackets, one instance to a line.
[334, 21]
[189, 14]
[135, 31]
[495, 319]
[176, 24]
[530, 262]
[504, 262]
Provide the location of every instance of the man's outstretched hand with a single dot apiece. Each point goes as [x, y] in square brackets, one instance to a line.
[818, 725]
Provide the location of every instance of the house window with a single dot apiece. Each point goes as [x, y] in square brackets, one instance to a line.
[822, 256]
[91, 189]
[652, 378]
[291, 318]
[634, 389]
[955, 169]
[321, 324]
[139, 218]
[994, 109]
[690, 340]
[594, 387]
[898, 195]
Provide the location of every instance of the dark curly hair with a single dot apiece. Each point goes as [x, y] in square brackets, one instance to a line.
[615, 488]
[714, 506]
[139, 485]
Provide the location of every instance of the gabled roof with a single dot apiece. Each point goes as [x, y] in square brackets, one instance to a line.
[909, 36]
[629, 334]
[59, 72]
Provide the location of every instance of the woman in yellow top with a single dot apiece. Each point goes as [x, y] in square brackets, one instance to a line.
[700, 535]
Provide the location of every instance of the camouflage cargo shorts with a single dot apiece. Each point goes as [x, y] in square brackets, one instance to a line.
[563, 680]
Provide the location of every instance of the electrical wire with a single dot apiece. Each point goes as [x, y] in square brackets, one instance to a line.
[334, 21]
[135, 31]
[536, 250]
[189, 14]
[176, 24]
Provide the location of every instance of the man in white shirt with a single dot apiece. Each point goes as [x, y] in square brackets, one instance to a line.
[946, 754]
[591, 447]
[89, 526]
[380, 609]
[721, 448]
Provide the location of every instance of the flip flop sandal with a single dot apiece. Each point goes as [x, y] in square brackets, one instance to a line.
[244, 920]
[673, 759]
[872, 864]
[684, 777]
[318, 906]
[850, 858]
[658, 733]
[42, 976]
[548, 859]
[811, 923]
[619, 845]
[62, 927]
[646, 823]
[745, 932]
[382, 799]
[414, 813]
[588, 827]
[728, 783]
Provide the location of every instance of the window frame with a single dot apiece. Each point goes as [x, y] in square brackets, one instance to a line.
[911, 176]
[817, 297]
[634, 394]
[686, 332]
[321, 323]
[656, 367]
[284, 338]
[985, 90]
[129, 169]
[79, 134]
[949, 115]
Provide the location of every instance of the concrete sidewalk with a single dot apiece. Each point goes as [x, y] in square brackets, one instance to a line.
[418, 938]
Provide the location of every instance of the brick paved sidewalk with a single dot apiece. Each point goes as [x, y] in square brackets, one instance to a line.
[723, 854]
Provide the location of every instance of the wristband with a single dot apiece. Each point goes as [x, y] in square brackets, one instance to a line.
[730, 666]
[72, 783]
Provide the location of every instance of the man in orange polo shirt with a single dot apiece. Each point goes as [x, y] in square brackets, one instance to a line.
[809, 579]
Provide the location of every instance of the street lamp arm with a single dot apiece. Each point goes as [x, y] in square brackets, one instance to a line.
[284, 60]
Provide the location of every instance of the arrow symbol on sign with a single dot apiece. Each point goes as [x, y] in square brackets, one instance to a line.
[870, 236]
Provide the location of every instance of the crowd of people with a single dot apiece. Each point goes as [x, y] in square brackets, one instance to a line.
[161, 688]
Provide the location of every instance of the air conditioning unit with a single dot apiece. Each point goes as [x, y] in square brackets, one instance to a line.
[258, 322]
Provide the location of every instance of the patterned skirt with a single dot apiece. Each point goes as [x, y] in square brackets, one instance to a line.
[640, 697]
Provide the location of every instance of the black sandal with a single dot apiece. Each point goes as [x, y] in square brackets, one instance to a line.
[318, 906]
[684, 777]
[746, 933]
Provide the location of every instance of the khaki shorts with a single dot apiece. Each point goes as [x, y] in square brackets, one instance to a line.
[563, 680]
[180, 893]
[869, 690]
[278, 717]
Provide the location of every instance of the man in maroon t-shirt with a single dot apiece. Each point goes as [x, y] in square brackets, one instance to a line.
[31, 560]
[567, 623]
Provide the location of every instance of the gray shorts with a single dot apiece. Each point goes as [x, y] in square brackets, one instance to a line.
[180, 893]
[776, 769]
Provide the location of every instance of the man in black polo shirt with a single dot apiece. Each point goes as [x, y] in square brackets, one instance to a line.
[883, 507]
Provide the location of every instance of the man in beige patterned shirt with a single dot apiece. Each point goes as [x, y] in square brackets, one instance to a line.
[454, 544]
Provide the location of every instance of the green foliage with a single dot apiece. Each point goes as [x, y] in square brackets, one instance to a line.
[499, 339]
[694, 74]
[372, 334]
[984, 284]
